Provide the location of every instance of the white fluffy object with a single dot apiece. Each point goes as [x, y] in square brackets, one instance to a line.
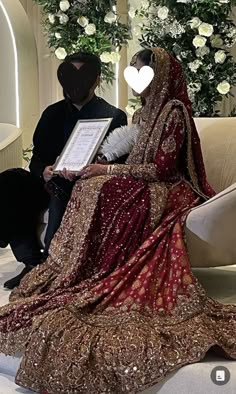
[119, 142]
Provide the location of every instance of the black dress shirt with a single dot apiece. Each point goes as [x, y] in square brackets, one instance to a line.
[57, 123]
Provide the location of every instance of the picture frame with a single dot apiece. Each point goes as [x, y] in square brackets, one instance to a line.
[82, 144]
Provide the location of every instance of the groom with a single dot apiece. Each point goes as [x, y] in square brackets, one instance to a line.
[79, 76]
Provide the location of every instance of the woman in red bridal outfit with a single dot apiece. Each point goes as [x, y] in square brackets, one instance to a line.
[116, 307]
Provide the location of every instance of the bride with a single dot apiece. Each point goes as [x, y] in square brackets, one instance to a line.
[116, 307]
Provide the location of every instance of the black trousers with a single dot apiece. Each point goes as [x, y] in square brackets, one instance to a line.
[26, 248]
[56, 211]
[22, 198]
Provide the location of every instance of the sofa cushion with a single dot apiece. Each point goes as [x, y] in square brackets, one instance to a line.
[218, 141]
[210, 231]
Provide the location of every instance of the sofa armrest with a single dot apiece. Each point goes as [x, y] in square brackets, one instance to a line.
[10, 146]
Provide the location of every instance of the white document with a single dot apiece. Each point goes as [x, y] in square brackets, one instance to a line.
[83, 144]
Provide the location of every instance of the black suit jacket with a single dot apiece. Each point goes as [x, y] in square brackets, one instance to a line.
[57, 123]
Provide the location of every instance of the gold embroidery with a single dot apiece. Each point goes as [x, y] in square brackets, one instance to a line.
[168, 145]
[146, 171]
[67, 243]
[136, 284]
[158, 199]
[184, 261]
[187, 280]
[139, 330]
[142, 291]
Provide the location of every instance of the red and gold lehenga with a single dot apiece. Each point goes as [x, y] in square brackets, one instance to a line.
[116, 307]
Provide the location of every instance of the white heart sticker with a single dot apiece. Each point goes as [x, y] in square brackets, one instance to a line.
[138, 80]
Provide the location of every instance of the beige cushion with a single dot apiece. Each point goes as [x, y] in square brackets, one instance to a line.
[210, 231]
[218, 141]
[10, 146]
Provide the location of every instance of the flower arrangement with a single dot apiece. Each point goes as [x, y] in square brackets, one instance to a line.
[87, 25]
[199, 33]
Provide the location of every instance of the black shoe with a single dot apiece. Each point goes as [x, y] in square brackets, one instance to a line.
[14, 282]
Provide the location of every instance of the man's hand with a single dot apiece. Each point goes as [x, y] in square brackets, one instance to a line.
[70, 176]
[93, 170]
[48, 173]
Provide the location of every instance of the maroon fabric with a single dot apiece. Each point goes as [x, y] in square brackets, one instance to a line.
[179, 92]
[126, 291]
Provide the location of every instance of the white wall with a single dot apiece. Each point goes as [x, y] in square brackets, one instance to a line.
[7, 74]
[19, 67]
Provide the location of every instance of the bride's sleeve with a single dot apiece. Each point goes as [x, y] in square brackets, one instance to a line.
[167, 157]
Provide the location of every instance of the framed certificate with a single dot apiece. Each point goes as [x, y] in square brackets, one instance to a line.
[83, 144]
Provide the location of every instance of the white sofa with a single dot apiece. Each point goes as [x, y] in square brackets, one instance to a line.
[10, 146]
[210, 228]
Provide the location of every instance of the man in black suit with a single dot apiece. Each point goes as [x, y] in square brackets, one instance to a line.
[79, 76]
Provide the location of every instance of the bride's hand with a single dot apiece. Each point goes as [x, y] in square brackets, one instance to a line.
[93, 170]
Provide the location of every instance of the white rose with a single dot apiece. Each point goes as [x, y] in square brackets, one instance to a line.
[137, 31]
[231, 32]
[60, 53]
[205, 29]
[63, 19]
[58, 35]
[223, 1]
[195, 22]
[51, 18]
[195, 86]
[216, 41]
[90, 29]
[191, 95]
[83, 21]
[223, 87]
[163, 12]
[195, 65]
[220, 57]
[199, 41]
[203, 51]
[132, 12]
[130, 110]
[145, 4]
[110, 17]
[64, 5]
[105, 57]
[115, 57]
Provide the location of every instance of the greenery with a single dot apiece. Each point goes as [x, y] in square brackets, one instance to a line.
[200, 34]
[27, 153]
[87, 25]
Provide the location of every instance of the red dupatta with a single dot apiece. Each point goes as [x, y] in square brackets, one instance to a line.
[168, 89]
